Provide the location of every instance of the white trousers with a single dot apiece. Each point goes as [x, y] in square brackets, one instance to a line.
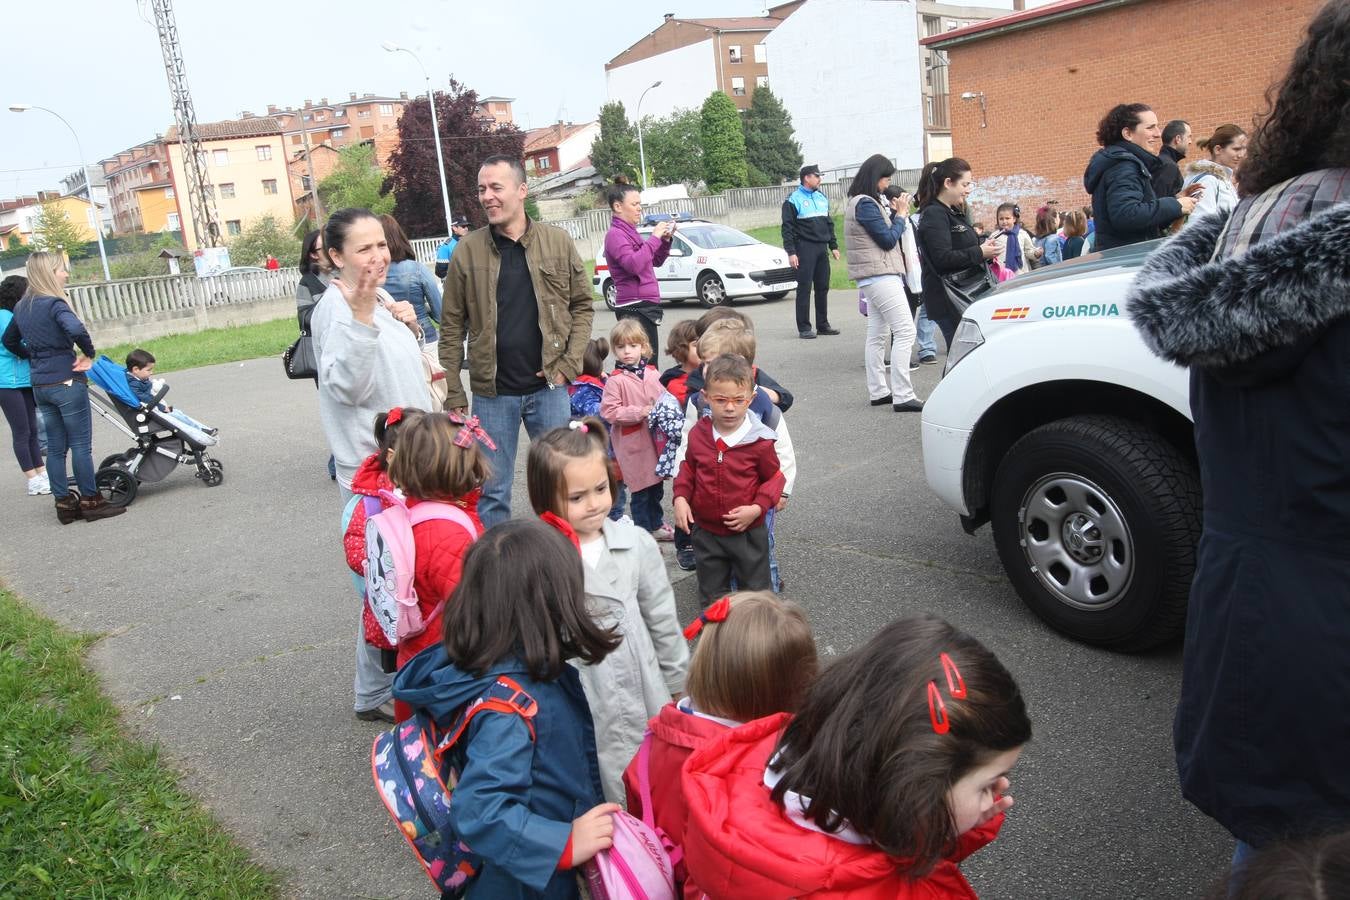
[888, 310]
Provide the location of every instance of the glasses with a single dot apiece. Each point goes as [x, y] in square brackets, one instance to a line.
[728, 401]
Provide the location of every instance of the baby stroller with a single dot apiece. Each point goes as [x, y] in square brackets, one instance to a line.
[162, 443]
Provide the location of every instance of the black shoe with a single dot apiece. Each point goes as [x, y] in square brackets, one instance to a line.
[826, 329]
[382, 713]
[807, 335]
[909, 406]
[928, 360]
[684, 558]
[882, 401]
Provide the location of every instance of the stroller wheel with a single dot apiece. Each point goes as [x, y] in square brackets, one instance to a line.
[216, 475]
[117, 486]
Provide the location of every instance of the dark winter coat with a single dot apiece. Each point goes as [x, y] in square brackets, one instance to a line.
[1124, 206]
[947, 245]
[1262, 735]
[1167, 178]
[44, 331]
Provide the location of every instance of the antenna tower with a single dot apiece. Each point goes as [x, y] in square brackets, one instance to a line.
[201, 199]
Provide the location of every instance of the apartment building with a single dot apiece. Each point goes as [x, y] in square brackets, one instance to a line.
[126, 173]
[358, 118]
[558, 148]
[90, 184]
[19, 217]
[937, 19]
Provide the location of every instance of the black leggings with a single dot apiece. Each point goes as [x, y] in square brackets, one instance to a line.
[21, 414]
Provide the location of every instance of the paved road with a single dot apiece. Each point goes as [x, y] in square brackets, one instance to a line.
[229, 623]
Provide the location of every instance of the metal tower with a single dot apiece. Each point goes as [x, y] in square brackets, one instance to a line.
[201, 198]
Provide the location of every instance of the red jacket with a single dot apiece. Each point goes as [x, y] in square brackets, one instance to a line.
[675, 734]
[714, 483]
[739, 843]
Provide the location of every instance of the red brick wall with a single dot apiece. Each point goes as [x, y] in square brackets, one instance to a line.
[1205, 61]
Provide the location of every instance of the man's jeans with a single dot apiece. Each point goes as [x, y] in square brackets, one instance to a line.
[926, 340]
[500, 416]
[65, 411]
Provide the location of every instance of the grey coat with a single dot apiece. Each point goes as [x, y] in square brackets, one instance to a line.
[628, 589]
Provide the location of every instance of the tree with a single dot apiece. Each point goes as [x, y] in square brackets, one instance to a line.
[356, 181]
[54, 232]
[467, 138]
[723, 143]
[674, 147]
[615, 152]
[769, 143]
[265, 237]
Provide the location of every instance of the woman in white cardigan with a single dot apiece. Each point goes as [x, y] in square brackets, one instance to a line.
[1227, 147]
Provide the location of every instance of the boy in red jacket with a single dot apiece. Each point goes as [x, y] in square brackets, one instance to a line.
[729, 478]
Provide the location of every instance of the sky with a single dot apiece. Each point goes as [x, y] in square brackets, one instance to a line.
[98, 63]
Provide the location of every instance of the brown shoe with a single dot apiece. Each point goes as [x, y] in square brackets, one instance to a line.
[68, 508]
[95, 508]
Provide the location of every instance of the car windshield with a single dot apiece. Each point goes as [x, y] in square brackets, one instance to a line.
[715, 237]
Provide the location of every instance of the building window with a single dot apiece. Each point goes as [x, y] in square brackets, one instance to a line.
[499, 107]
[386, 109]
[761, 81]
[306, 117]
[264, 151]
[761, 54]
[221, 157]
[169, 194]
[295, 138]
[339, 113]
[269, 185]
[227, 191]
[738, 87]
[171, 222]
[735, 52]
[304, 183]
[335, 133]
[318, 117]
[367, 131]
[232, 227]
[543, 164]
[363, 114]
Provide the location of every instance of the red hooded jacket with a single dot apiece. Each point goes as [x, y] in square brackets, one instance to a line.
[739, 843]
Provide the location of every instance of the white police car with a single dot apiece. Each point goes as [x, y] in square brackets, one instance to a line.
[712, 262]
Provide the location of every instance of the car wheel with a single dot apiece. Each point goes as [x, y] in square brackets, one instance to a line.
[609, 291]
[117, 485]
[711, 291]
[1096, 520]
[776, 295]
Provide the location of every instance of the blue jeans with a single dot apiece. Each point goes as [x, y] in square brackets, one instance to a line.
[620, 501]
[647, 506]
[925, 341]
[500, 416]
[65, 411]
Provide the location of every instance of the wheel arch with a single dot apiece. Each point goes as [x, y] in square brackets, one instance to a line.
[1035, 405]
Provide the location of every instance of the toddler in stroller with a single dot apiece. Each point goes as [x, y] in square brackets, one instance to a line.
[140, 371]
[163, 442]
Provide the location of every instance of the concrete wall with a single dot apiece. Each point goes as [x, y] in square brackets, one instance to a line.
[848, 72]
[186, 321]
[687, 75]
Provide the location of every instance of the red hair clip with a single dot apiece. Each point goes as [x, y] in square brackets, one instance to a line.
[561, 525]
[956, 686]
[717, 612]
[393, 417]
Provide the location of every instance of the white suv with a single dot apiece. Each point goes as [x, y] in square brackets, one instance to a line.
[712, 262]
[1057, 425]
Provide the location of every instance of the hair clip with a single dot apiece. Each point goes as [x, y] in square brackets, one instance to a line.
[561, 525]
[956, 686]
[470, 431]
[578, 425]
[393, 417]
[716, 612]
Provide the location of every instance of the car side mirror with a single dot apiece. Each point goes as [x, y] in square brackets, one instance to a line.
[678, 251]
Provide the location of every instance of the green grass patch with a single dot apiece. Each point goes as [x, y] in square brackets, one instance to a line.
[215, 345]
[84, 810]
[773, 234]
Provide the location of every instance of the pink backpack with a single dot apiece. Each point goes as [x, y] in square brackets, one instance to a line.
[391, 563]
[641, 864]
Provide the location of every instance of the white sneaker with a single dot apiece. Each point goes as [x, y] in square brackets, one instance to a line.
[38, 485]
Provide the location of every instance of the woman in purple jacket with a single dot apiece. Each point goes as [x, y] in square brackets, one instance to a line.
[633, 260]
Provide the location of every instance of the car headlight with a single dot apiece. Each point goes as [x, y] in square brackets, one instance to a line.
[967, 338]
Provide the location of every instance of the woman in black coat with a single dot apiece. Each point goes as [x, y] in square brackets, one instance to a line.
[1119, 178]
[947, 243]
[1262, 730]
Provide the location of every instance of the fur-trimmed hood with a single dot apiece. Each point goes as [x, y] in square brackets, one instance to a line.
[1210, 167]
[1227, 312]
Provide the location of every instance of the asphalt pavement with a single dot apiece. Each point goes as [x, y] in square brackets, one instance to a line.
[229, 624]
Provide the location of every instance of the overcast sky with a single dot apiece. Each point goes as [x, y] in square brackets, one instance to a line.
[98, 62]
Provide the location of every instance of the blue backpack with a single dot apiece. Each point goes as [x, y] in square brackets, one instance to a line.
[416, 781]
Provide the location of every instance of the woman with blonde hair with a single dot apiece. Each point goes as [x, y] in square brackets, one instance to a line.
[45, 331]
[1227, 148]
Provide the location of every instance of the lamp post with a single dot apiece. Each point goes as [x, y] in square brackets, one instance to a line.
[642, 156]
[98, 220]
[984, 111]
[435, 128]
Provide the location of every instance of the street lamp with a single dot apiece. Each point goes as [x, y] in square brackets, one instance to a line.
[98, 220]
[642, 156]
[978, 95]
[391, 47]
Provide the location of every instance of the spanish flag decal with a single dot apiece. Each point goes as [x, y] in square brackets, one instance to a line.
[1010, 312]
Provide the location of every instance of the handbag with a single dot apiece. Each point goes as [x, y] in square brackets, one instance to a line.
[435, 374]
[965, 287]
[299, 360]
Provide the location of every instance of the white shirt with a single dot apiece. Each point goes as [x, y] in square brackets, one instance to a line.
[592, 549]
[731, 440]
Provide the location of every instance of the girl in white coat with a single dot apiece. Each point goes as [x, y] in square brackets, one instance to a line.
[571, 487]
[1227, 148]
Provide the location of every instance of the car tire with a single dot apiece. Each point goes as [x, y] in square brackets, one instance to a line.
[711, 291]
[1096, 520]
[609, 292]
[776, 295]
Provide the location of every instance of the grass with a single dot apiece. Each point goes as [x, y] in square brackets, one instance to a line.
[215, 345]
[84, 810]
[772, 234]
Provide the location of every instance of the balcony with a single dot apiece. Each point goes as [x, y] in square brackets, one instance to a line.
[937, 112]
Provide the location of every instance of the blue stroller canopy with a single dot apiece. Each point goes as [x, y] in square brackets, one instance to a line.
[113, 379]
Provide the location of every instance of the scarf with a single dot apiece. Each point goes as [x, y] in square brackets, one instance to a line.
[1281, 207]
[636, 369]
[1013, 259]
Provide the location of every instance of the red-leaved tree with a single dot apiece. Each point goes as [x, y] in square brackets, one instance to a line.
[467, 138]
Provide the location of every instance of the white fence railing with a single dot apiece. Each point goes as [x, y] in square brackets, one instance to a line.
[113, 300]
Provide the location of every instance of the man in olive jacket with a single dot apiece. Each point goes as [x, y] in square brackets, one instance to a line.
[519, 291]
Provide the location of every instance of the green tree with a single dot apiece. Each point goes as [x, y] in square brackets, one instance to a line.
[54, 232]
[769, 143]
[615, 153]
[264, 237]
[356, 181]
[673, 146]
[723, 143]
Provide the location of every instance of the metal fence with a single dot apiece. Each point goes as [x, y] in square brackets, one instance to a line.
[113, 300]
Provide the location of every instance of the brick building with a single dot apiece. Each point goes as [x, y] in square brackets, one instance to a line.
[126, 174]
[1039, 81]
[558, 148]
